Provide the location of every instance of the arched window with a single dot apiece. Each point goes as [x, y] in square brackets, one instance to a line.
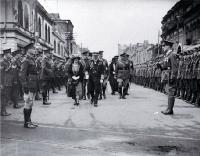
[45, 32]
[39, 27]
[20, 13]
[49, 34]
[54, 46]
[26, 18]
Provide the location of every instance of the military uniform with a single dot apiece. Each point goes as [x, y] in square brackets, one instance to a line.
[85, 61]
[46, 77]
[29, 78]
[123, 75]
[173, 71]
[104, 84]
[6, 81]
[96, 76]
[15, 69]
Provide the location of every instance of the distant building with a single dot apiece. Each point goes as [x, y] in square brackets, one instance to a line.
[65, 29]
[139, 53]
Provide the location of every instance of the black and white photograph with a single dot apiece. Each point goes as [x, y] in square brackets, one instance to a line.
[100, 77]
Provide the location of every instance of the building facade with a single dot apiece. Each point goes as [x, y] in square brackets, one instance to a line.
[65, 29]
[139, 53]
[26, 21]
[17, 23]
[181, 24]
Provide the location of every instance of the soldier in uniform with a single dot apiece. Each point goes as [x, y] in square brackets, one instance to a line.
[172, 67]
[39, 69]
[194, 77]
[28, 75]
[104, 84]
[15, 69]
[123, 74]
[197, 103]
[46, 75]
[96, 77]
[85, 62]
[6, 81]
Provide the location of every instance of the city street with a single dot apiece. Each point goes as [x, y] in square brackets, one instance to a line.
[116, 127]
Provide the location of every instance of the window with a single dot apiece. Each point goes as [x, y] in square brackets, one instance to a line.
[49, 34]
[26, 18]
[45, 32]
[54, 46]
[39, 27]
[20, 13]
[58, 48]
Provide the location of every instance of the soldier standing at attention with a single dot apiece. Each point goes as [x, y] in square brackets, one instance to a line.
[46, 75]
[15, 69]
[96, 77]
[172, 67]
[6, 80]
[28, 75]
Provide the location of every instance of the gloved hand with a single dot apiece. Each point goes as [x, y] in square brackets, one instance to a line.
[25, 89]
[75, 77]
[101, 81]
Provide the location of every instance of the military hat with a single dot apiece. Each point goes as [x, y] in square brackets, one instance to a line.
[116, 56]
[167, 43]
[123, 54]
[85, 52]
[127, 55]
[95, 53]
[16, 52]
[76, 56]
[101, 51]
[6, 51]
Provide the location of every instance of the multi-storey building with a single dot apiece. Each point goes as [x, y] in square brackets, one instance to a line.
[65, 29]
[139, 53]
[43, 28]
[181, 24]
[17, 23]
[26, 21]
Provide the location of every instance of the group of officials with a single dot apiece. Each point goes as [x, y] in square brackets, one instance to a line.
[29, 74]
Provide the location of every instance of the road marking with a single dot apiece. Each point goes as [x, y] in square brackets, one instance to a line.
[110, 132]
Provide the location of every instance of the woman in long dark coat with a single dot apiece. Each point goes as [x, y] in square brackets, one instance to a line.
[76, 75]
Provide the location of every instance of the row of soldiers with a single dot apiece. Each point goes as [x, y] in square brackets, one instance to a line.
[48, 72]
[187, 80]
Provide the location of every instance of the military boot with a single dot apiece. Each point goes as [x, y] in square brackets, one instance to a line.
[169, 110]
[120, 92]
[27, 123]
[124, 93]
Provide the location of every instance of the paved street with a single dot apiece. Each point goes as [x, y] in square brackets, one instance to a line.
[133, 126]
